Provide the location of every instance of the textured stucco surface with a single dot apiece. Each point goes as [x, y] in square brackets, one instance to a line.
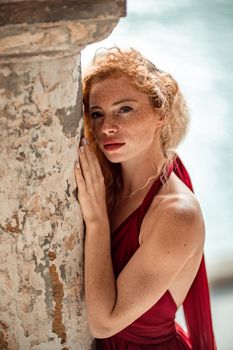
[42, 304]
[41, 230]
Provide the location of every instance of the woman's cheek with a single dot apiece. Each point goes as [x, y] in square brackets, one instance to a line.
[95, 127]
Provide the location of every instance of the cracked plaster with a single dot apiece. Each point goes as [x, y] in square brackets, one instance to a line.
[41, 231]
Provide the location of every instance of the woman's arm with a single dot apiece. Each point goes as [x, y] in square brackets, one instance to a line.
[176, 234]
[100, 286]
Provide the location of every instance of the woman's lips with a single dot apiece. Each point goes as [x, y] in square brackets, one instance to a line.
[113, 146]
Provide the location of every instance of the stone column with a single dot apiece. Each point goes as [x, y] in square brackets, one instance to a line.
[41, 229]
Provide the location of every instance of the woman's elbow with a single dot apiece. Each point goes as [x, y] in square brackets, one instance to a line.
[98, 330]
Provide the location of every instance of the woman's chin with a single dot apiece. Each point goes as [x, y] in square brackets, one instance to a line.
[114, 158]
[117, 155]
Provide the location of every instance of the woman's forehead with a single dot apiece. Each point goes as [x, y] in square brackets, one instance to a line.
[120, 87]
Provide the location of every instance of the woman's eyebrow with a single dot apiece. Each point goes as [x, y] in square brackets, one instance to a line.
[117, 102]
[124, 100]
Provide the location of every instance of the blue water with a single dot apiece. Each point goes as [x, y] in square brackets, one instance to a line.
[192, 39]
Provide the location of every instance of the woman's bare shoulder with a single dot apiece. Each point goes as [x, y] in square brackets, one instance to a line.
[178, 211]
[175, 197]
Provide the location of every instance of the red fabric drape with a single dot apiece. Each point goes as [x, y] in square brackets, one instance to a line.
[196, 306]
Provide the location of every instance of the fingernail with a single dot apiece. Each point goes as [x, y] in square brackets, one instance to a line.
[85, 141]
[77, 165]
[81, 149]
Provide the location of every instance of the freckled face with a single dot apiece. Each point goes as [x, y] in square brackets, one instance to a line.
[123, 121]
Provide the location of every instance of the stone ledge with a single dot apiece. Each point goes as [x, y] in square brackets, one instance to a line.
[47, 29]
[49, 11]
[49, 40]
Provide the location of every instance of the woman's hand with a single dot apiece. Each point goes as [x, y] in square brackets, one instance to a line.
[91, 187]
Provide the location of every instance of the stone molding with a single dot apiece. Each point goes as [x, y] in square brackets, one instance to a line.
[42, 29]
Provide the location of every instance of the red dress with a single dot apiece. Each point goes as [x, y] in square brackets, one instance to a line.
[156, 328]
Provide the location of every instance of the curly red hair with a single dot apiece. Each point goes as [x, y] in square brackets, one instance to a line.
[163, 93]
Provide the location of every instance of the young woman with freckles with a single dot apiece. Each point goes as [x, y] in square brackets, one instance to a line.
[144, 227]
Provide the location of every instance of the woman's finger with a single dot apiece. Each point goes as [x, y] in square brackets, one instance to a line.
[79, 178]
[97, 167]
[86, 171]
[91, 159]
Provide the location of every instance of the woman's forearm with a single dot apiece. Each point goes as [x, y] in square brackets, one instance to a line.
[100, 290]
[100, 286]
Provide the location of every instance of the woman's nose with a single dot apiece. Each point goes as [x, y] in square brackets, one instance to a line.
[109, 125]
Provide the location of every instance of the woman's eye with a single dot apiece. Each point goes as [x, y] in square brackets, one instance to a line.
[96, 115]
[126, 109]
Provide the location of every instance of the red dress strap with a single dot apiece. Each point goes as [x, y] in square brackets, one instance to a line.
[197, 302]
[196, 305]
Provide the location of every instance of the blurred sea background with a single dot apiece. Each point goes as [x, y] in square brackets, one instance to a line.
[193, 40]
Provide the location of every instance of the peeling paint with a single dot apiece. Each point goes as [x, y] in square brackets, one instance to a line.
[62, 269]
[51, 255]
[58, 294]
[70, 241]
[13, 225]
[3, 336]
[69, 122]
[68, 188]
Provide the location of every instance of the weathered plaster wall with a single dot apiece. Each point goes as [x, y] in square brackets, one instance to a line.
[41, 278]
[42, 304]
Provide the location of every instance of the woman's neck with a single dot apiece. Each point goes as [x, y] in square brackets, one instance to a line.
[139, 172]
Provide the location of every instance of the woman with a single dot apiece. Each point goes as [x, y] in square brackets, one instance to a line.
[144, 227]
